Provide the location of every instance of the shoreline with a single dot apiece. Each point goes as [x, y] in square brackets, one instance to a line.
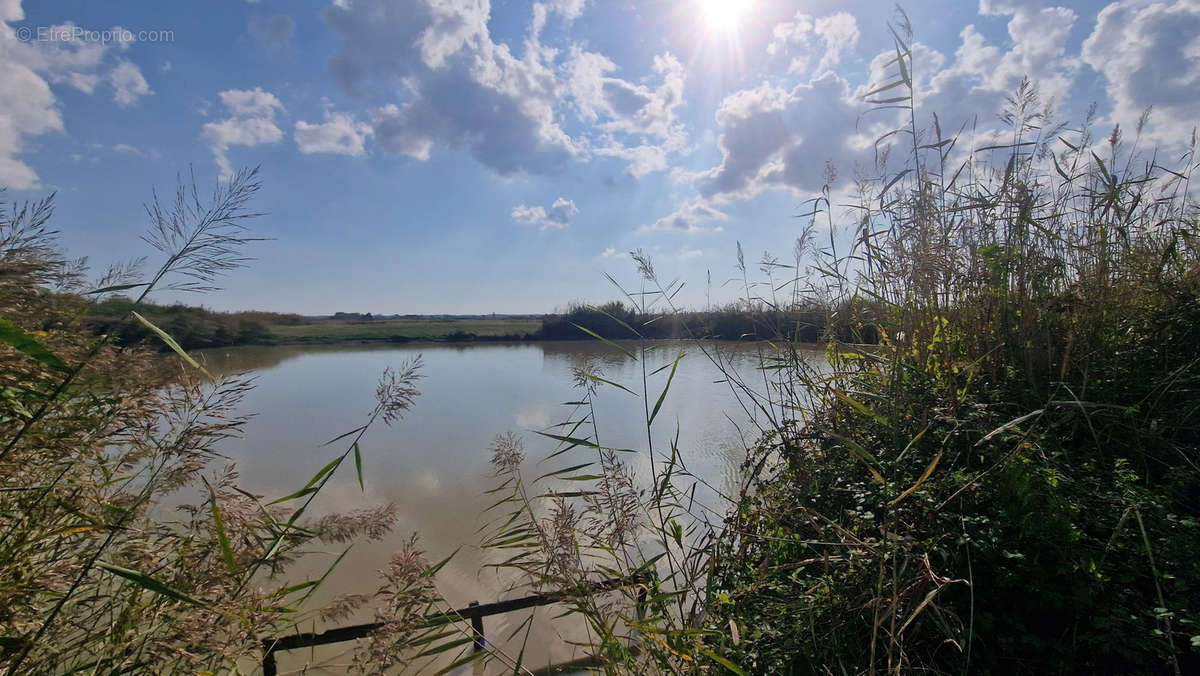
[442, 340]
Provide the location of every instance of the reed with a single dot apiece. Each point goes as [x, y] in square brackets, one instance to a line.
[996, 468]
[99, 572]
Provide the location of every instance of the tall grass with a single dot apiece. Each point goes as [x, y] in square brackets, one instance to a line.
[1006, 482]
[995, 469]
[98, 573]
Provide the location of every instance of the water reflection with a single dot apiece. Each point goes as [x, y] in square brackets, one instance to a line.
[434, 466]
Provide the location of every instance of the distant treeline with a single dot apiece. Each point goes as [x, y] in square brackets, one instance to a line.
[808, 324]
[192, 327]
[197, 327]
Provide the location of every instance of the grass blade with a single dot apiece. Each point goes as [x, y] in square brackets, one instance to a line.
[23, 342]
[662, 397]
[358, 467]
[148, 583]
[629, 353]
[166, 338]
[219, 525]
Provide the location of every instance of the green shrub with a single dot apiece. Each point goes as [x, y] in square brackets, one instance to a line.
[1009, 483]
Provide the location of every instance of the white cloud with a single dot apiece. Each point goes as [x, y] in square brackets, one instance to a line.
[642, 159]
[794, 32]
[27, 108]
[839, 33]
[638, 123]
[771, 137]
[251, 122]
[10, 10]
[339, 134]
[803, 37]
[1149, 54]
[622, 106]
[688, 218]
[396, 129]
[612, 254]
[66, 60]
[569, 10]
[456, 87]
[28, 69]
[448, 84]
[128, 84]
[974, 87]
[557, 217]
[250, 102]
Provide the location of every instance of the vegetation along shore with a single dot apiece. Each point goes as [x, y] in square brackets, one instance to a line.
[1006, 482]
[197, 328]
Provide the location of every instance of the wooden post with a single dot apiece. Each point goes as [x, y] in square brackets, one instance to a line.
[269, 667]
[477, 628]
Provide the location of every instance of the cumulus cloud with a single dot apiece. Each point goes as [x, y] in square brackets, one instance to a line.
[454, 85]
[569, 10]
[28, 69]
[27, 107]
[250, 102]
[250, 122]
[339, 134]
[126, 149]
[436, 78]
[689, 218]
[804, 36]
[625, 107]
[638, 123]
[642, 159]
[1149, 54]
[772, 137]
[839, 33]
[557, 217]
[981, 75]
[128, 84]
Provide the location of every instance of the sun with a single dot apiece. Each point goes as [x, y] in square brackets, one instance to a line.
[724, 15]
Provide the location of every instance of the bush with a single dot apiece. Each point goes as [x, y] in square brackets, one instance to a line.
[1009, 482]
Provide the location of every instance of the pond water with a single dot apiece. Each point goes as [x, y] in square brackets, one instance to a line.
[434, 464]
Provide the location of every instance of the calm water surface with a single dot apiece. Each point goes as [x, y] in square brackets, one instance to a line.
[434, 464]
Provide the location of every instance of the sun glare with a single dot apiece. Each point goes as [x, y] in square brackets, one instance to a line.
[724, 15]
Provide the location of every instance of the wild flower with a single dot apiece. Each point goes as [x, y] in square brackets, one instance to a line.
[508, 452]
[402, 603]
[397, 389]
[587, 376]
[614, 509]
[372, 523]
[562, 547]
[342, 607]
[644, 265]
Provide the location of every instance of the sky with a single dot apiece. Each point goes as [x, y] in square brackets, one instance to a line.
[461, 156]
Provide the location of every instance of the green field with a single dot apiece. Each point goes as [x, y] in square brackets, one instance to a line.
[333, 330]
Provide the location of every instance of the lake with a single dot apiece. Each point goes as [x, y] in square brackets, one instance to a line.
[434, 465]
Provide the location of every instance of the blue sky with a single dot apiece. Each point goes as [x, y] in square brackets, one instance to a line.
[455, 156]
